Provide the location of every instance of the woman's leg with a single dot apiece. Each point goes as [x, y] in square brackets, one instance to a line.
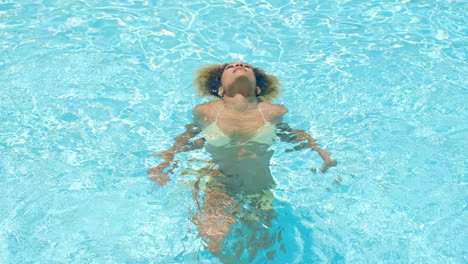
[216, 216]
[256, 217]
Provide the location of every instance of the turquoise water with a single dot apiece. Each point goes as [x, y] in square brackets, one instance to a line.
[89, 90]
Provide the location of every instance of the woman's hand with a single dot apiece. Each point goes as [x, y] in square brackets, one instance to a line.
[327, 163]
[288, 134]
[161, 173]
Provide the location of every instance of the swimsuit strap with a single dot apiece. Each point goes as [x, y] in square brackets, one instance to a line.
[260, 110]
[219, 112]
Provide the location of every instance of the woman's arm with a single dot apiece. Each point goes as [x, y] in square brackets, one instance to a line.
[182, 143]
[287, 134]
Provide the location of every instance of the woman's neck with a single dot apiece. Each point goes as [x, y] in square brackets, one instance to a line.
[239, 103]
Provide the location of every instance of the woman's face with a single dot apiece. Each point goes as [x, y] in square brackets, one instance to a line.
[238, 72]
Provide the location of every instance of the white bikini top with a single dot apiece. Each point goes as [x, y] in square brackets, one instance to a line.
[216, 137]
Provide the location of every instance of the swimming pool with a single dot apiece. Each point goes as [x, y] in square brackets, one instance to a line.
[90, 90]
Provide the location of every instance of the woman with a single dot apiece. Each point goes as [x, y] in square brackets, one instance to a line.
[238, 130]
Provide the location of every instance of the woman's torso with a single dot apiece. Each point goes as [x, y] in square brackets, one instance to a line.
[239, 144]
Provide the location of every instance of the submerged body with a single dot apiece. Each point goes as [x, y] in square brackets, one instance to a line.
[239, 143]
[240, 147]
[244, 168]
[238, 131]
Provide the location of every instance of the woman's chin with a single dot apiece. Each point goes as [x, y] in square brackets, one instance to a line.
[243, 80]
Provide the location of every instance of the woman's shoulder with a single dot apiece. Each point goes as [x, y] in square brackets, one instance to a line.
[273, 112]
[205, 113]
[274, 108]
[207, 107]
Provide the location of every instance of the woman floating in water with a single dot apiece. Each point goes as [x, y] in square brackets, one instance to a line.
[238, 130]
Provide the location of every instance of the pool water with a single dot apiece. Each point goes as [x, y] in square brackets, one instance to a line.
[90, 89]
